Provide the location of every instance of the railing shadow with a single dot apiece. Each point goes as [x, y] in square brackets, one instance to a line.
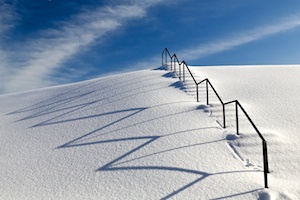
[66, 97]
[68, 104]
[171, 62]
[49, 106]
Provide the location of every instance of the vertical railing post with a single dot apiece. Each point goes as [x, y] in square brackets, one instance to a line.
[266, 156]
[266, 167]
[197, 91]
[172, 63]
[224, 123]
[183, 70]
[237, 117]
[180, 71]
[237, 105]
[166, 57]
[207, 100]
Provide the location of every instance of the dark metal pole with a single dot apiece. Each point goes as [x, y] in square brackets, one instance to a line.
[166, 58]
[237, 118]
[266, 167]
[207, 101]
[183, 72]
[266, 155]
[224, 123]
[174, 66]
[197, 90]
[180, 71]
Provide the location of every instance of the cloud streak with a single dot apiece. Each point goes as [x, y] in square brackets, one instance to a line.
[41, 56]
[7, 17]
[201, 51]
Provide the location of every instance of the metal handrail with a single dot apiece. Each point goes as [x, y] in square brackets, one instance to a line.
[165, 53]
[237, 105]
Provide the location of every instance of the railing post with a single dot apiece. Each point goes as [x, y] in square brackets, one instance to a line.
[266, 156]
[166, 56]
[237, 105]
[224, 123]
[180, 71]
[172, 63]
[237, 117]
[207, 100]
[183, 70]
[197, 90]
[266, 167]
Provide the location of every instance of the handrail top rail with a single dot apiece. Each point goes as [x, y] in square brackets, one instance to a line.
[237, 104]
[248, 117]
[174, 55]
[166, 50]
[229, 102]
[215, 91]
[202, 81]
[256, 129]
[226, 103]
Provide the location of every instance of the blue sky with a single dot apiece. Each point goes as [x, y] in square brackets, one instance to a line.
[51, 42]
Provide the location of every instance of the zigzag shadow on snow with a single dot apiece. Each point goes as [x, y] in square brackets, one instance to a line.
[113, 165]
[69, 104]
[56, 106]
[98, 103]
[73, 143]
[52, 100]
[173, 149]
[149, 139]
[132, 112]
[81, 141]
[64, 101]
[72, 95]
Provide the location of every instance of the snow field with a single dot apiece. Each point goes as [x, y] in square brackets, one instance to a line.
[270, 95]
[132, 136]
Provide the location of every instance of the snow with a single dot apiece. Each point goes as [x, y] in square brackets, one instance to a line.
[271, 96]
[142, 135]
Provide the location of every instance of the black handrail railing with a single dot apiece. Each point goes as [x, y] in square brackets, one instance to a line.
[181, 76]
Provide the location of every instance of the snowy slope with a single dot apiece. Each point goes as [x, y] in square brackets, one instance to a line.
[134, 136]
[271, 96]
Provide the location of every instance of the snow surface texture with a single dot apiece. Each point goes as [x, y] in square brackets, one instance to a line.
[271, 96]
[140, 136]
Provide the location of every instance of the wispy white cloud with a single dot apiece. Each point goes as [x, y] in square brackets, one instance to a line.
[149, 63]
[7, 17]
[41, 56]
[217, 46]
